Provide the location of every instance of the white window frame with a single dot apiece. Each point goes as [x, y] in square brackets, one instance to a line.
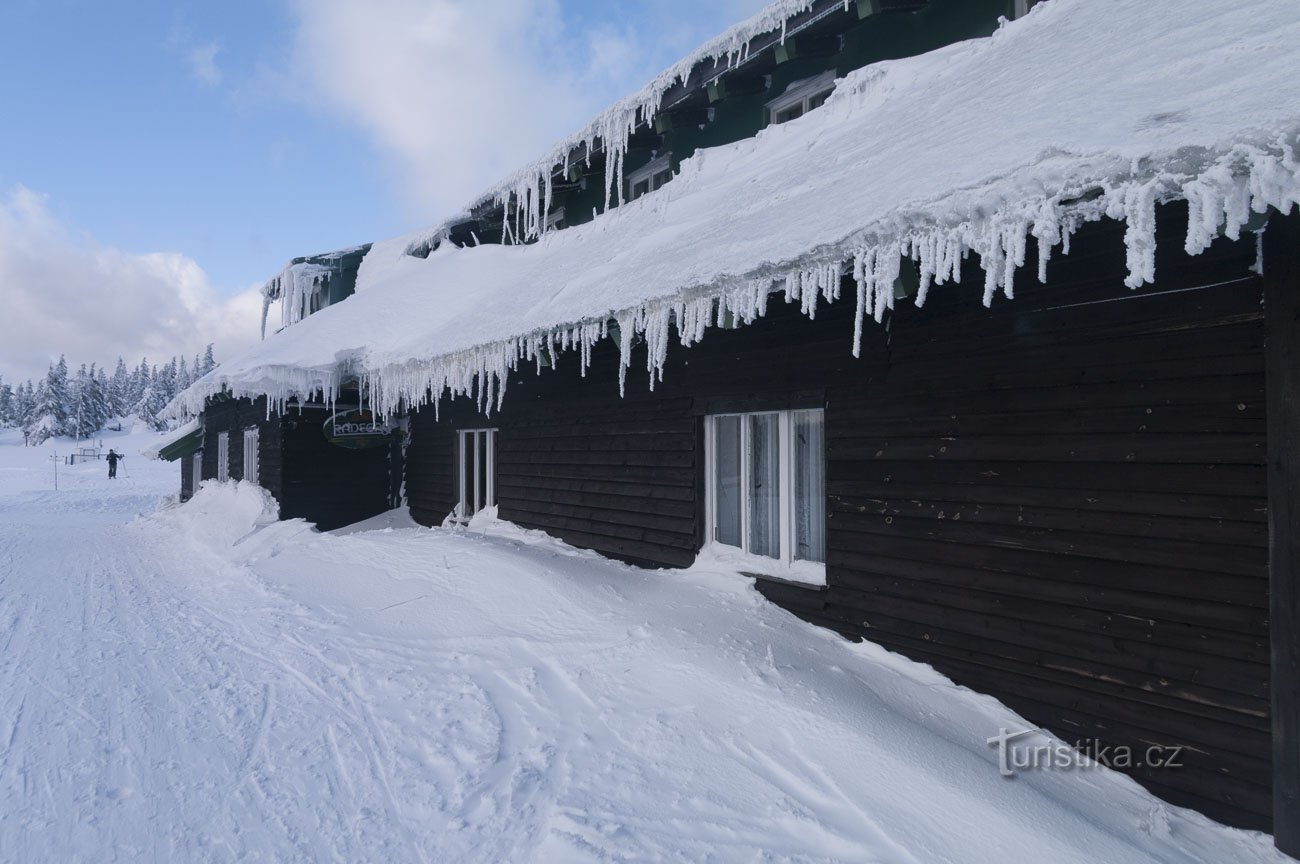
[223, 457]
[252, 454]
[801, 94]
[786, 567]
[484, 488]
[196, 471]
[647, 173]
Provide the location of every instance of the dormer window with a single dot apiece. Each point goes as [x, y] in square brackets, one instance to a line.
[649, 177]
[801, 97]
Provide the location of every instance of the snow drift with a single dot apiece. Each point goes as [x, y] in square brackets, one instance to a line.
[1082, 110]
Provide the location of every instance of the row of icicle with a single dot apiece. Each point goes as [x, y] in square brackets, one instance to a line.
[1247, 180]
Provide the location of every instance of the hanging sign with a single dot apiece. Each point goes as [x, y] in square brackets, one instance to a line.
[357, 429]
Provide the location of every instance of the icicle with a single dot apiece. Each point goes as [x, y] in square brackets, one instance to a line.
[1139, 211]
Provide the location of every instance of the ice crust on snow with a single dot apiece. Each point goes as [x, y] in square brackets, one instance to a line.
[1084, 109]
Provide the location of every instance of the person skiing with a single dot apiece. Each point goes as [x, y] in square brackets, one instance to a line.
[112, 458]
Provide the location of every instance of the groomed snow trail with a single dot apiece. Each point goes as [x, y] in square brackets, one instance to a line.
[202, 684]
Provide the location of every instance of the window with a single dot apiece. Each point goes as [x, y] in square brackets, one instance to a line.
[801, 97]
[555, 221]
[475, 471]
[766, 490]
[223, 456]
[196, 471]
[251, 462]
[649, 177]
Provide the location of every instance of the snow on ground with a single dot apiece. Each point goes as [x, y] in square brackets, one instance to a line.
[206, 684]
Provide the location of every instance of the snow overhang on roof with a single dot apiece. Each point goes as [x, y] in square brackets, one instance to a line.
[1083, 109]
[179, 443]
[294, 285]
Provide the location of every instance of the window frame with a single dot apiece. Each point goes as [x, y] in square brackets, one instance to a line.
[785, 567]
[223, 457]
[485, 492]
[252, 434]
[800, 94]
[196, 471]
[647, 174]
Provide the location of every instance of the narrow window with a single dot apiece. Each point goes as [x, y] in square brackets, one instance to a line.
[223, 456]
[649, 177]
[196, 471]
[475, 471]
[801, 97]
[766, 490]
[251, 461]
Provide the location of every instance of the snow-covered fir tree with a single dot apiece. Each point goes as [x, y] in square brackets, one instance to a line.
[83, 403]
[49, 416]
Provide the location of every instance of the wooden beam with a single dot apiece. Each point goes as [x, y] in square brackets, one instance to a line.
[680, 119]
[1282, 358]
[799, 47]
[646, 139]
[735, 85]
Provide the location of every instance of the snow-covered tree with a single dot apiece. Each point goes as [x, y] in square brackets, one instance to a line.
[53, 403]
[209, 362]
[119, 389]
[24, 403]
[6, 404]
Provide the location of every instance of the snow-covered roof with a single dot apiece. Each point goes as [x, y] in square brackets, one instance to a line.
[153, 450]
[1082, 109]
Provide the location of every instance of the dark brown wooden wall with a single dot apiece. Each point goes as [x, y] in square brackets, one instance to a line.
[310, 478]
[234, 416]
[328, 485]
[1060, 501]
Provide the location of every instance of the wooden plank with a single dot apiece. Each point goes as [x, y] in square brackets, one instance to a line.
[1282, 305]
[1190, 556]
[1123, 596]
[1094, 520]
[1191, 509]
[1159, 657]
[862, 588]
[887, 399]
[1049, 566]
[1207, 479]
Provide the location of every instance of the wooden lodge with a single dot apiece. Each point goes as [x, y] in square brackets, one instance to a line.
[1082, 501]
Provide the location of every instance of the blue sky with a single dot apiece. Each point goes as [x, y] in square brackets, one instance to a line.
[191, 148]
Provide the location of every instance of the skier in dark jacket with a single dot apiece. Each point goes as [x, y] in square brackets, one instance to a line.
[112, 458]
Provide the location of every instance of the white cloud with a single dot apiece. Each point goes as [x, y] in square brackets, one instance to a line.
[461, 93]
[63, 292]
[203, 63]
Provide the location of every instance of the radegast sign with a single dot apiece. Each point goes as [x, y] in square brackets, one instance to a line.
[357, 429]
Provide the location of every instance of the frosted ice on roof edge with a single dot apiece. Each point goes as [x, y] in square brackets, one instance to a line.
[531, 184]
[1200, 124]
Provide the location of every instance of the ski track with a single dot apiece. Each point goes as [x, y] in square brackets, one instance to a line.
[175, 695]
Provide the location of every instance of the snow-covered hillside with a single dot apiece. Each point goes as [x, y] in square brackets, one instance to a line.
[205, 684]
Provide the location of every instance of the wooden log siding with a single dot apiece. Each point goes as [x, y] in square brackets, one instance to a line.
[310, 478]
[234, 416]
[1060, 501]
[327, 485]
[1282, 302]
